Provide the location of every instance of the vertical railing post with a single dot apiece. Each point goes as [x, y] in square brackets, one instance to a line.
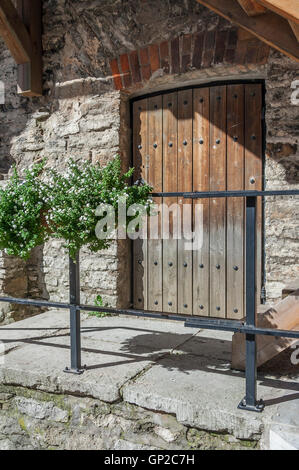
[250, 402]
[75, 333]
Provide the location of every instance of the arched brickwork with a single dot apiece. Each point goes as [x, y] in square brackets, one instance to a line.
[187, 53]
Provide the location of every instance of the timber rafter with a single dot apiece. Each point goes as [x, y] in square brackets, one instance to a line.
[21, 29]
[275, 22]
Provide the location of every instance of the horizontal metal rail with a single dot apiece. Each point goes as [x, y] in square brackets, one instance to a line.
[34, 303]
[207, 323]
[133, 312]
[236, 327]
[215, 194]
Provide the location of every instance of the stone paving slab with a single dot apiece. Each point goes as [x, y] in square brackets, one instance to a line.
[201, 393]
[210, 344]
[205, 393]
[282, 438]
[19, 333]
[110, 350]
[158, 336]
[138, 333]
[41, 366]
[155, 364]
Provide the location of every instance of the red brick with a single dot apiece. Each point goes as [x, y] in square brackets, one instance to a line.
[220, 45]
[124, 63]
[146, 72]
[164, 50]
[209, 46]
[127, 79]
[186, 63]
[198, 50]
[231, 46]
[164, 55]
[144, 56]
[175, 55]
[116, 75]
[135, 68]
[187, 44]
[186, 53]
[230, 56]
[125, 67]
[210, 40]
[154, 57]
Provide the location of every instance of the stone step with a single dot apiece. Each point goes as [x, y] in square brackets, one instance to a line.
[282, 439]
[284, 316]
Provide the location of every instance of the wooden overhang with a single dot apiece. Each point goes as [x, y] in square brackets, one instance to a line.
[275, 22]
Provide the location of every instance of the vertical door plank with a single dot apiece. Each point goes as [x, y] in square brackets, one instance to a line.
[185, 170]
[155, 179]
[170, 184]
[254, 163]
[235, 206]
[218, 205]
[140, 136]
[201, 182]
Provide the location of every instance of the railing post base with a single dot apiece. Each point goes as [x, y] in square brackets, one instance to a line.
[67, 370]
[258, 407]
[250, 403]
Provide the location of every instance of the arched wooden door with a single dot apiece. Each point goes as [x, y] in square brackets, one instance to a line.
[199, 139]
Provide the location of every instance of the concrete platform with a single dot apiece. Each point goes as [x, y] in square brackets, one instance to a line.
[157, 365]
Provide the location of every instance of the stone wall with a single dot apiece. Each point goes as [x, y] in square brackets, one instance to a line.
[41, 421]
[281, 172]
[78, 117]
[84, 115]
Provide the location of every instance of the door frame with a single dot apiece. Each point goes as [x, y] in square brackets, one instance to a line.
[210, 84]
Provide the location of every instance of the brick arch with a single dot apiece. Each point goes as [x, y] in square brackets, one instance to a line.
[188, 52]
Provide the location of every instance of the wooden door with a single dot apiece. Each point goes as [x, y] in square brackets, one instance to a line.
[200, 139]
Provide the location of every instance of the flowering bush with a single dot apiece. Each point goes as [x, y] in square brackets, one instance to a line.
[21, 205]
[65, 207]
[76, 196]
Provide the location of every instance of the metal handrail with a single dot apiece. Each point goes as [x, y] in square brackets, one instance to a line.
[248, 328]
[216, 194]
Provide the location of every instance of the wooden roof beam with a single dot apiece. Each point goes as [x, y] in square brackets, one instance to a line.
[21, 30]
[269, 27]
[252, 8]
[289, 9]
[295, 29]
[14, 33]
[30, 74]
